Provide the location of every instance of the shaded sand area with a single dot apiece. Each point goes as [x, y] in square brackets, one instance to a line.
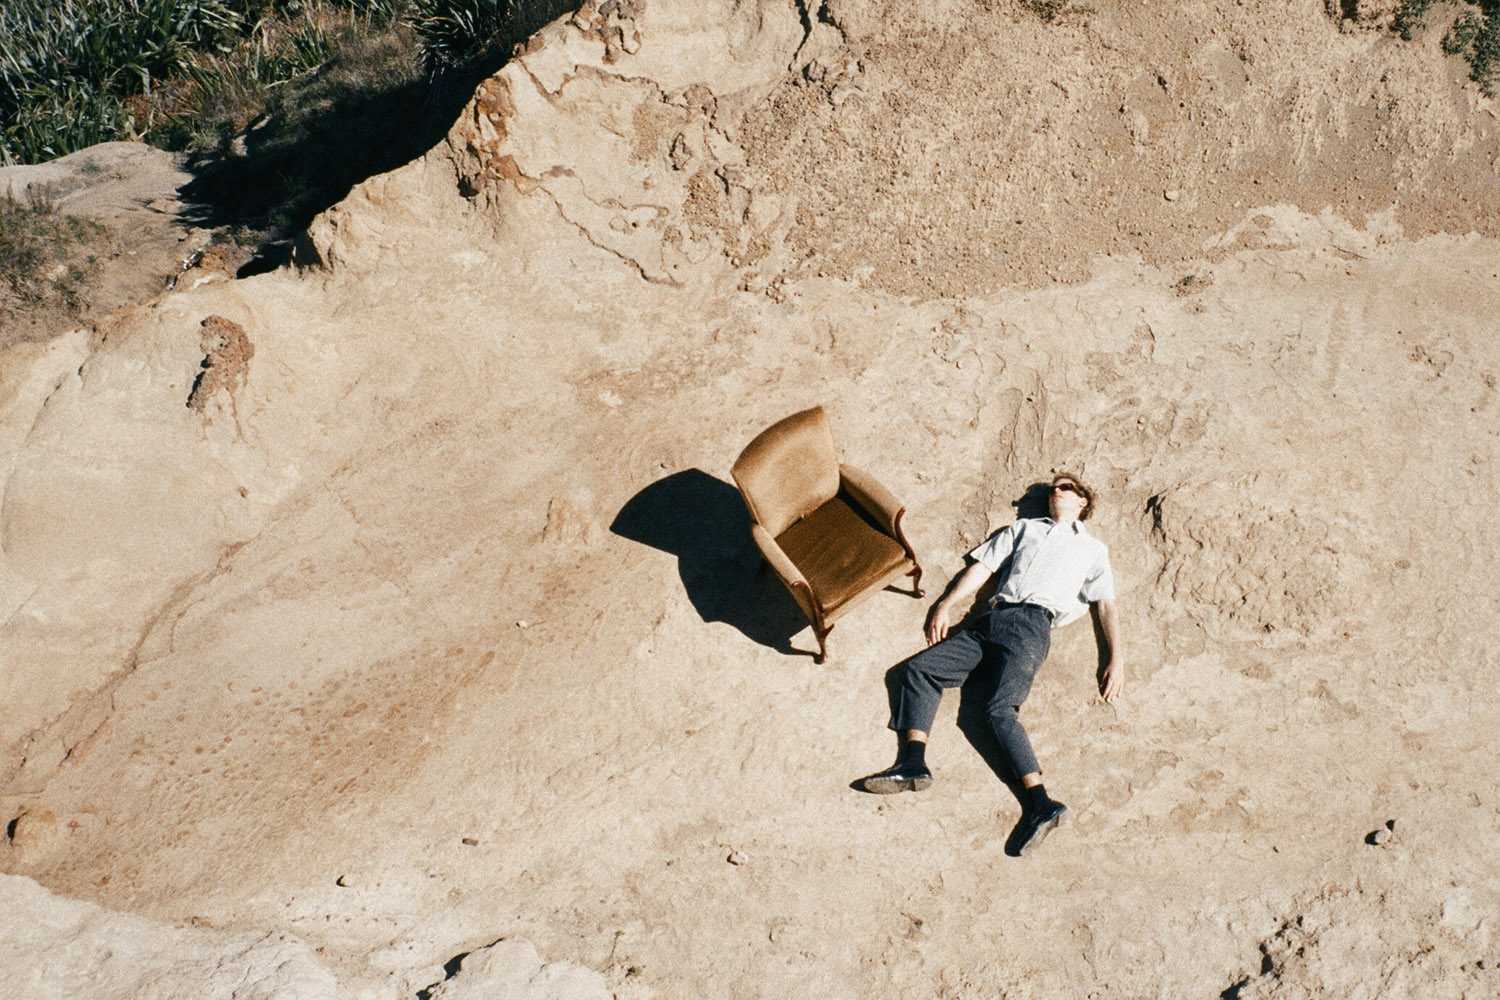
[364, 614]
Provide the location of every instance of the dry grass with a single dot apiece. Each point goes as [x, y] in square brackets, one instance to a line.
[46, 258]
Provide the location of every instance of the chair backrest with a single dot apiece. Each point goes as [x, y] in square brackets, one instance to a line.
[789, 470]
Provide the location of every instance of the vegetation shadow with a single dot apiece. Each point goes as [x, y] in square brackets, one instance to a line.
[367, 111]
[703, 522]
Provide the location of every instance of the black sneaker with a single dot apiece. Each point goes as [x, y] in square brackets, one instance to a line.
[1036, 825]
[899, 778]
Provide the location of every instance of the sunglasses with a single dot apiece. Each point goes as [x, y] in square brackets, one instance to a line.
[1067, 488]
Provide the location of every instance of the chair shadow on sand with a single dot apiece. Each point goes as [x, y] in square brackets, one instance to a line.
[703, 522]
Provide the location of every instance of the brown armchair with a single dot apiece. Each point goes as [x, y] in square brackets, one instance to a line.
[829, 531]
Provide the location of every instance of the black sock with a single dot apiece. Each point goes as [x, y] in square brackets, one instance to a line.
[912, 752]
[1036, 797]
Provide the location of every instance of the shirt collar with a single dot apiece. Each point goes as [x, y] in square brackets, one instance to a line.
[1078, 528]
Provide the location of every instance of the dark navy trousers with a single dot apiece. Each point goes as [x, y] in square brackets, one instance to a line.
[1015, 639]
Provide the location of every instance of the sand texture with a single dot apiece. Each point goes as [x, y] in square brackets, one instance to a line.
[389, 622]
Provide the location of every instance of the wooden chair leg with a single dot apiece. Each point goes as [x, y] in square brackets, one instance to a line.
[916, 582]
[822, 634]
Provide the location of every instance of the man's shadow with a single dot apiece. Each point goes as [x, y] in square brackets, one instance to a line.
[1033, 503]
[703, 522]
[975, 693]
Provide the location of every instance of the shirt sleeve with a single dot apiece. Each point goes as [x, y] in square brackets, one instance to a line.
[996, 549]
[1099, 585]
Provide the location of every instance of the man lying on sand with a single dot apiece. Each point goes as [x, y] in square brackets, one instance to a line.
[1051, 570]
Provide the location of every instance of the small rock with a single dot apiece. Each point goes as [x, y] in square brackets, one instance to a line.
[737, 858]
[470, 842]
[843, 92]
[682, 153]
[1172, 194]
[1382, 835]
[34, 832]
[523, 623]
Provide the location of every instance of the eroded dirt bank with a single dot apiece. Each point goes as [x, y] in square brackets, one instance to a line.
[432, 621]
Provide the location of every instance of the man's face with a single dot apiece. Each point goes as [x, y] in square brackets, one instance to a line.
[1065, 502]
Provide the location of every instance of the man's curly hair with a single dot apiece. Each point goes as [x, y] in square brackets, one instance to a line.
[1088, 494]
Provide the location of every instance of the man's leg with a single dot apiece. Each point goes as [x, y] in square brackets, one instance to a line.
[1040, 813]
[914, 703]
[1019, 639]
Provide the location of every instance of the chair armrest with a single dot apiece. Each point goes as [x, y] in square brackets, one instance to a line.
[877, 501]
[787, 570]
[882, 505]
[775, 555]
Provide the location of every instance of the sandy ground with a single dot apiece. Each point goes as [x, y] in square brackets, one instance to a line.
[434, 621]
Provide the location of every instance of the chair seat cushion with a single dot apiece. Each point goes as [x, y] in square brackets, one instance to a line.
[842, 553]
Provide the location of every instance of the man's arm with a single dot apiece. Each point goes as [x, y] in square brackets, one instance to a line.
[1112, 681]
[958, 596]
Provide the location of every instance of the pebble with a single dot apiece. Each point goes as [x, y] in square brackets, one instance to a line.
[34, 832]
[737, 858]
[844, 92]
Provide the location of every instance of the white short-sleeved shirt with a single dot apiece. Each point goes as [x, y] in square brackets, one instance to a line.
[1056, 564]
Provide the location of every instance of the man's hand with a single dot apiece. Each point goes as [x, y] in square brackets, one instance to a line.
[938, 624]
[959, 593]
[1112, 682]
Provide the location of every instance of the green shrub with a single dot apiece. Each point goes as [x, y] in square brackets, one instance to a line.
[460, 32]
[189, 74]
[61, 121]
[1474, 34]
[1463, 32]
[64, 64]
[282, 104]
[1048, 10]
[371, 107]
[454, 31]
[77, 72]
[367, 109]
[1410, 16]
[219, 94]
[1484, 54]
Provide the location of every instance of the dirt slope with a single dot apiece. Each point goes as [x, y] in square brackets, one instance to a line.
[433, 619]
